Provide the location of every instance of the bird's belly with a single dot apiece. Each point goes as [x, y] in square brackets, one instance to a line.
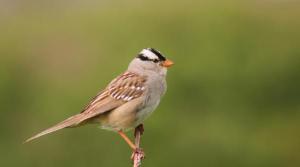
[122, 118]
[144, 113]
[117, 120]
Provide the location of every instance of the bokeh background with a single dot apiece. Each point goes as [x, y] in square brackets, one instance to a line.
[233, 96]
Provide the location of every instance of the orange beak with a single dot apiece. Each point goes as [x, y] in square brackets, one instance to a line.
[167, 63]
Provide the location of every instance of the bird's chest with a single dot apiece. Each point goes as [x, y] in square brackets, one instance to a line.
[155, 92]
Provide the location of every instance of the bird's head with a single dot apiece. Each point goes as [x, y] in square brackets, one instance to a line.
[151, 59]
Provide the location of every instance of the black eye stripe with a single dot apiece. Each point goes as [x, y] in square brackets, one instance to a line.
[155, 61]
[144, 58]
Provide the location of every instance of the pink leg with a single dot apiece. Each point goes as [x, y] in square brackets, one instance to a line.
[128, 141]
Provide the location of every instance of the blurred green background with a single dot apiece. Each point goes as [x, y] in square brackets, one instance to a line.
[233, 96]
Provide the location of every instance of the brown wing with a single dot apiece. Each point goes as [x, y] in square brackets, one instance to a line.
[124, 88]
[127, 87]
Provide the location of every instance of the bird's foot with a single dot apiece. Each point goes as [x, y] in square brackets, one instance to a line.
[138, 153]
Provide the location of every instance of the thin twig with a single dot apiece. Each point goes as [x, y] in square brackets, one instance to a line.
[138, 154]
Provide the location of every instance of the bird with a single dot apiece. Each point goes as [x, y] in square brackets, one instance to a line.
[128, 99]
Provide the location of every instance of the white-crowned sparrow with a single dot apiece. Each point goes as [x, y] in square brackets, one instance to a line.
[128, 100]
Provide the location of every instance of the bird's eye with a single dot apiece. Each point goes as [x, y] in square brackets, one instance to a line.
[155, 61]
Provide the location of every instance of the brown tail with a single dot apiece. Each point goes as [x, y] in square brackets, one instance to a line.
[70, 122]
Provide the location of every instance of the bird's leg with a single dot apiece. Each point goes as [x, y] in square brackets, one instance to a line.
[139, 129]
[128, 141]
[138, 153]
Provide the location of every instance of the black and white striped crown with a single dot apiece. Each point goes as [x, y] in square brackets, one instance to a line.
[150, 54]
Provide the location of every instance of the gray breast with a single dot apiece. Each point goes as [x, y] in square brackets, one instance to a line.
[156, 89]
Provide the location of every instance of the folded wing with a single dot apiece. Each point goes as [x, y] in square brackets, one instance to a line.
[123, 89]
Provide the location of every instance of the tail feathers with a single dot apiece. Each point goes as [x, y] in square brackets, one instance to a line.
[70, 122]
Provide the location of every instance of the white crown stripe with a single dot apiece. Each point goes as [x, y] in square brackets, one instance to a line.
[149, 54]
